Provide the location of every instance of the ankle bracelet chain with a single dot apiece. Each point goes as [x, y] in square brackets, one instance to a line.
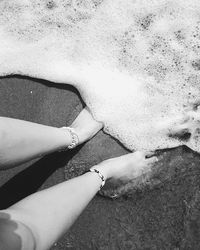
[74, 138]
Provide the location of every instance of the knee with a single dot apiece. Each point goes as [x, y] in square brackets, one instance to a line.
[15, 235]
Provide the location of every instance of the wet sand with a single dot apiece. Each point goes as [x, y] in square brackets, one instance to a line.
[162, 216]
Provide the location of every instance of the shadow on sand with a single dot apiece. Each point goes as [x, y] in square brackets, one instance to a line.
[31, 179]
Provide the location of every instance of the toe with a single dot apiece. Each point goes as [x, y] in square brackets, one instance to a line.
[152, 160]
[150, 154]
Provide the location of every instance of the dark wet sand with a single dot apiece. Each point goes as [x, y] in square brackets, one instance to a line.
[162, 216]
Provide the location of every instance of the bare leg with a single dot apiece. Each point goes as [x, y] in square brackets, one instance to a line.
[40, 219]
[21, 141]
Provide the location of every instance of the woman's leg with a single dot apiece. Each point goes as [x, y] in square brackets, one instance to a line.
[21, 141]
[39, 220]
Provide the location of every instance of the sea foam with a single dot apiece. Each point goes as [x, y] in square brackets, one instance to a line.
[136, 63]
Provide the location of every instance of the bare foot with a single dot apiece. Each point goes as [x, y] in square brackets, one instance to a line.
[86, 126]
[126, 167]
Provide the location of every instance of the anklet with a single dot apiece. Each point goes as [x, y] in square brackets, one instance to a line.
[100, 175]
[74, 138]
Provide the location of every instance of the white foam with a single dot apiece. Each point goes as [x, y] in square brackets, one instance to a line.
[136, 63]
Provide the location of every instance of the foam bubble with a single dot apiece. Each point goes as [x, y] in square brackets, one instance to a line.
[135, 63]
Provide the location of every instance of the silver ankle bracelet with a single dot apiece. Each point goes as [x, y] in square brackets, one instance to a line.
[100, 175]
[74, 138]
